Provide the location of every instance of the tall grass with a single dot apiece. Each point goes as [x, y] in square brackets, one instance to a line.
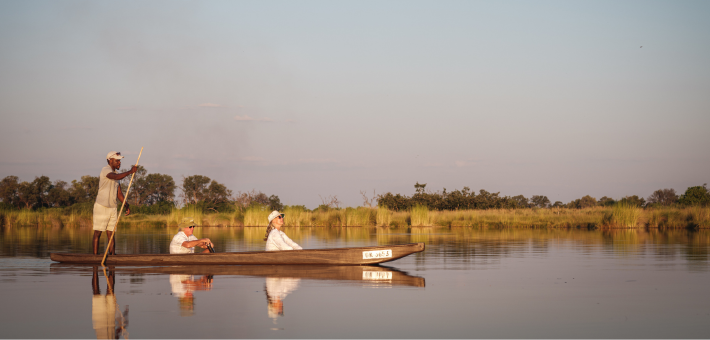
[419, 216]
[619, 216]
[622, 215]
[176, 215]
[384, 216]
[256, 216]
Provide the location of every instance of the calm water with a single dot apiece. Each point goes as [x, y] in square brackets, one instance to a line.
[469, 283]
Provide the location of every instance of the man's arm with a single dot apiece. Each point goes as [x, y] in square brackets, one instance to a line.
[115, 176]
[197, 243]
[119, 193]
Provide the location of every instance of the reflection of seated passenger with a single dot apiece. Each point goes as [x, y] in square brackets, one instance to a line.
[107, 324]
[183, 286]
[184, 242]
[275, 238]
[276, 290]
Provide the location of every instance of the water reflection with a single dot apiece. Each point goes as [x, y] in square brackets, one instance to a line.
[277, 288]
[463, 243]
[280, 281]
[183, 285]
[107, 319]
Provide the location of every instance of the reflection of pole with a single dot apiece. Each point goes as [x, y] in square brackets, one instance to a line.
[123, 322]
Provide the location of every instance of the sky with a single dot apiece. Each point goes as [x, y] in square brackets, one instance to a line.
[311, 99]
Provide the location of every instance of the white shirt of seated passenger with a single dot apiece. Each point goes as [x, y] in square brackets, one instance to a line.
[176, 244]
[278, 240]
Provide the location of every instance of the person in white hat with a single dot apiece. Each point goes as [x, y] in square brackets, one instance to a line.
[105, 214]
[184, 242]
[275, 238]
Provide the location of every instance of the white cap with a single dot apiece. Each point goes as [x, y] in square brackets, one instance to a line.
[114, 154]
[273, 215]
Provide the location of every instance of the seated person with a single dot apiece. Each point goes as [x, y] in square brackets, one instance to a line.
[275, 238]
[184, 242]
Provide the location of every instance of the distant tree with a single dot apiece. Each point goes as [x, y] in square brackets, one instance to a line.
[663, 197]
[419, 188]
[558, 204]
[606, 201]
[217, 193]
[540, 201]
[9, 191]
[58, 196]
[26, 195]
[41, 185]
[393, 202]
[519, 202]
[584, 202]
[330, 201]
[275, 203]
[195, 188]
[84, 190]
[158, 188]
[633, 201]
[697, 195]
[139, 189]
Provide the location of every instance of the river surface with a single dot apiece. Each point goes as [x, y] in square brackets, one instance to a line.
[468, 283]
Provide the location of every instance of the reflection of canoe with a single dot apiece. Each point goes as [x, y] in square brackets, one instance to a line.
[366, 274]
[334, 256]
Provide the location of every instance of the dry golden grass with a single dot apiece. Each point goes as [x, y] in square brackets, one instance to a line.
[597, 217]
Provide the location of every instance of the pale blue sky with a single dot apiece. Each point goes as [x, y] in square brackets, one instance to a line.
[309, 98]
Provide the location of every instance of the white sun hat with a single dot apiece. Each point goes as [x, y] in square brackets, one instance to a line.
[273, 215]
[114, 154]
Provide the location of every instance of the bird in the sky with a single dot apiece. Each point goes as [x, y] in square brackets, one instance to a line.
[641, 47]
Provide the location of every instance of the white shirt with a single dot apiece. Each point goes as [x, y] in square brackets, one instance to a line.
[176, 283]
[176, 244]
[278, 240]
[108, 188]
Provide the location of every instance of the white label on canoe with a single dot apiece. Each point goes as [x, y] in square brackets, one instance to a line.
[369, 275]
[376, 254]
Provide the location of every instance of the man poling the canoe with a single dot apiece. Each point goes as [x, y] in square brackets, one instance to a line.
[275, 238]
[105, 216]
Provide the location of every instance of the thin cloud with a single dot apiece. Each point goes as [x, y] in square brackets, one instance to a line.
[211, 105]
[75, 128]
[464, 163]
[246, 118]
[127, 108]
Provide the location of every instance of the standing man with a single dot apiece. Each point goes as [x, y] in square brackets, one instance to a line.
[105, 214]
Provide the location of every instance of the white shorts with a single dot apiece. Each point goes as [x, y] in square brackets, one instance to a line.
[104, 218]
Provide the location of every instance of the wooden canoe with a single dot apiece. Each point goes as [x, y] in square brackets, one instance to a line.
[335, 256]
[366, 275]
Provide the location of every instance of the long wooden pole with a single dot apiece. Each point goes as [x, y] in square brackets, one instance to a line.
[125, 198]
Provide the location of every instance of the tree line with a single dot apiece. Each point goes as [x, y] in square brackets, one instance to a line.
[150, 193]
[467, 199]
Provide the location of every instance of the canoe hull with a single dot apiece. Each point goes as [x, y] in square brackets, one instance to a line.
[334, 256]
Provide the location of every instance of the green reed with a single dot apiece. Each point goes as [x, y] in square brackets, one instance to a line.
[419, 216]
[619, 216]
[622, 215]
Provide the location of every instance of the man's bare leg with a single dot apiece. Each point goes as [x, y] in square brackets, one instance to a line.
[112, 250]
[97, 237]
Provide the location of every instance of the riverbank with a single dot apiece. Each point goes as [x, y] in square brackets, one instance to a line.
[597, 217]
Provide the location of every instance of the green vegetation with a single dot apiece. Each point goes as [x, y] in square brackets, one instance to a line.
[617, 216]
[153, 202]
[622, 215]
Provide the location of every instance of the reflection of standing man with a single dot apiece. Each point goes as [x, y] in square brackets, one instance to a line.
[276, 290]
[107, 324]
[105, 214]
